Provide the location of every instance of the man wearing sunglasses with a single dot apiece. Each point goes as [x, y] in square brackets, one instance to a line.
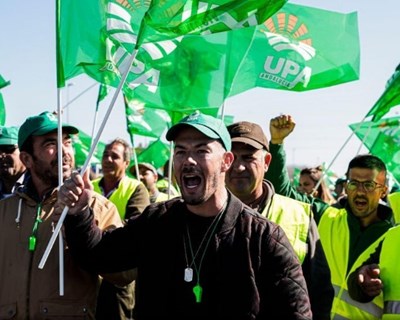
[350, 234]
[12, 170]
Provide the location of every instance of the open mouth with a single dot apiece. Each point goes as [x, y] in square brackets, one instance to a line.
[191, 181]
[360, 203]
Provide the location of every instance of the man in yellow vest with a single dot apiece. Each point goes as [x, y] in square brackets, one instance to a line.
[350, 234]
[131, 198]
[380, 275]
[245, 179]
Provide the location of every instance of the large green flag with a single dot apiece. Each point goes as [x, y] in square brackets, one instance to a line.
[168, 19]
[382, 138]
[3, 84]
[299, 48]
[97, 37]
[81, 143]
[146, 122]
[389, 98]
[157, 153]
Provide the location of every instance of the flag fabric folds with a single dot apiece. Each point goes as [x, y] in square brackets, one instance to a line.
[389, 98]
[382, 138]
[98, 38]
[170, 19]
[299, 48]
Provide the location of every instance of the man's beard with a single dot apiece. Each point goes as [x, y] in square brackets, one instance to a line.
[49, 175]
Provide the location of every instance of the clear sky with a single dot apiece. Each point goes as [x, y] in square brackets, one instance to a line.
[27, 58]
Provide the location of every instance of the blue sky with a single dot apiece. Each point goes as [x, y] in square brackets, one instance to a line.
[27, 58]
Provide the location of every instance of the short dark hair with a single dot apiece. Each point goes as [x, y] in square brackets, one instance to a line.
[366, 161]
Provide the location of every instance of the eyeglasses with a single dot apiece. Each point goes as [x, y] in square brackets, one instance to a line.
[7, 148]
[368, 186]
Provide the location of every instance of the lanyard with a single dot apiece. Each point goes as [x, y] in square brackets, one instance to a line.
[32, 238]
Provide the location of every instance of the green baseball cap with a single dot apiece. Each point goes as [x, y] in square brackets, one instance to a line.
[213, 128]
[8, 136]
[40, 125]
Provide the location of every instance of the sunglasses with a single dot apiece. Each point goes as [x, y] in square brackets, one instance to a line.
[8, 148]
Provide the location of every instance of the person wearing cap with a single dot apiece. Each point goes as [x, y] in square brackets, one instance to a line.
[12, 170]
[166, 181]
[131, 197]
[149, 176]
[245, 179]
[349, 234]
[203, 256]
[26, 226]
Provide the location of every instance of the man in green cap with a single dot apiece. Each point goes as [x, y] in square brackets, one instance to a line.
[26, 226]
[12, 170]
[203, 256]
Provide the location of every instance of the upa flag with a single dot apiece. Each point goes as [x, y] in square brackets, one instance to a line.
[299, 48]
[168, 19]
[389, 98]
[97, 37]
[382, 138]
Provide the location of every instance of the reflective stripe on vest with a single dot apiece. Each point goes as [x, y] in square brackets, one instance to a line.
[391, 310]
[371, 308]
[120, 197]
[390, 273]
[394, 203]
[294, 218]
[335, 239]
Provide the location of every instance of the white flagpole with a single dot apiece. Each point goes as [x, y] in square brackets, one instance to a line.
[91, 151]
[60, 182]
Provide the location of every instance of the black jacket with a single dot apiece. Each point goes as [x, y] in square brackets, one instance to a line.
[250, 270]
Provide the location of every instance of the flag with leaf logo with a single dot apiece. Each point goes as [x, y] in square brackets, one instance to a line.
[170, 19]
[180, 74]
[389, 98]
[299, 48]
[382, 138]
[97, 37]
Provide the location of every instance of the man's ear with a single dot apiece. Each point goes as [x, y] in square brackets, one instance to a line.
[385, 192]
[267, 161]
[26, 159]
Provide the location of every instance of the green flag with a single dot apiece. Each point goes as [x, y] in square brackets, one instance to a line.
[3, 84]
[168, 19]
[98, 38]
[81, 143]
[299, 48]
[103, 91]
[145, 121]
[156, 153]
[389, 98]
[382, 138]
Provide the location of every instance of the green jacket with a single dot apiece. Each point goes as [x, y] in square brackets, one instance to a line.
[279, 176]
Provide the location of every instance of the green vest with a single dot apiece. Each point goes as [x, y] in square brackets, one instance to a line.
[120, 197]
[394, 202]
[390, 273]
[294, 218]
[335, 238]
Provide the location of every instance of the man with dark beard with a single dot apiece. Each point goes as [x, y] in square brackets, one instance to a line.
[26, 225]
[12, 170]
[203, 256]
